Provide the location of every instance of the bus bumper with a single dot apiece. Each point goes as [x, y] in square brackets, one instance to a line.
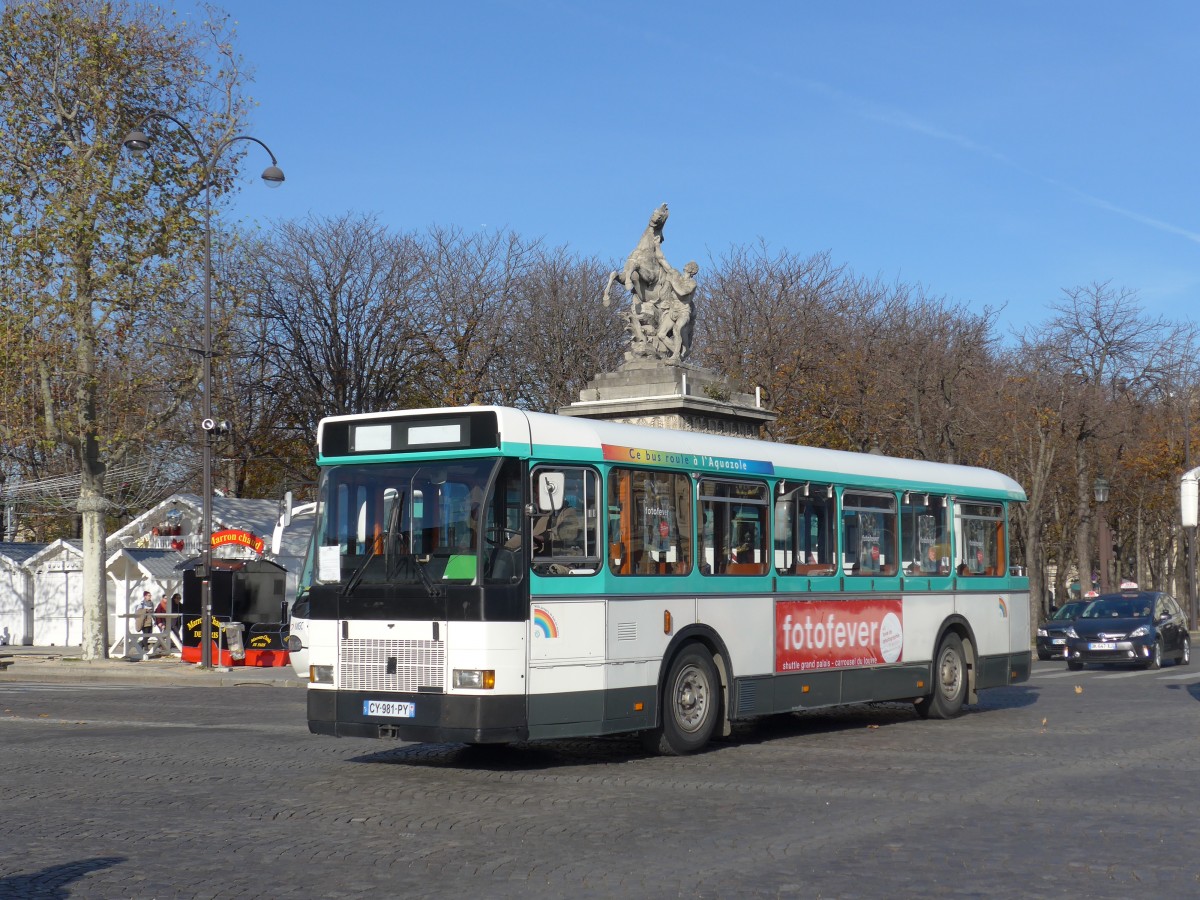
[473, 719]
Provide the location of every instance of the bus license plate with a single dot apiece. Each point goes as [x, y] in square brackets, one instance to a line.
[390, 709]
[1106, 645]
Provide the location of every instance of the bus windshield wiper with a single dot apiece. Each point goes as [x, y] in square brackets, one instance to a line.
[385, 539]
[353, 580]
[393, 533]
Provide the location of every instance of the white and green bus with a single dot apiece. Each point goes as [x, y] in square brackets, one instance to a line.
[489, 575]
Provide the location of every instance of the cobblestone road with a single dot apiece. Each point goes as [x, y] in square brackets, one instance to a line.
[1075, 784]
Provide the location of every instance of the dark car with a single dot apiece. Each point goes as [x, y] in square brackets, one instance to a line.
[1135, 627]
[1052, 634]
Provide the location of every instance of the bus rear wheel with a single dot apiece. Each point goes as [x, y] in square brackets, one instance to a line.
[691, 704]
[949, 693]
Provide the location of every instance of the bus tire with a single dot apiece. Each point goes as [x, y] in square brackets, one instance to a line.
[949, 693]
[691, 704]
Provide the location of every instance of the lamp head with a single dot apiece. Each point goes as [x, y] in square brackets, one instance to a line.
[273, 176]
[136, 142]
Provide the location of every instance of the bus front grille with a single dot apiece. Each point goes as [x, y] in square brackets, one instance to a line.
[396, 665]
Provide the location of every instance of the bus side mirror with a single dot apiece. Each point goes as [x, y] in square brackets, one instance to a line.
[550, 491]
[285, 519]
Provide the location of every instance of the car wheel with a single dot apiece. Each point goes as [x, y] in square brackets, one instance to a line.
[1185, 651]
[949, 681]
[1073, 665]
[1155, 660]
[691, 704]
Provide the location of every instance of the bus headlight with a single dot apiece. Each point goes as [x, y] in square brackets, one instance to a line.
[320, 674]
[475, 679]
[294, 644]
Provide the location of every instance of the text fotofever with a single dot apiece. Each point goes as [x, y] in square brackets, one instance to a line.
[824, 635]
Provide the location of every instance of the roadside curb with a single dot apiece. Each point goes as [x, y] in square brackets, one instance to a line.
[60, 666]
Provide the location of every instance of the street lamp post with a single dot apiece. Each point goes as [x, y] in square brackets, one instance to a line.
[137, 142]
[1189, 501]
[1189, 534]
[1103, 538]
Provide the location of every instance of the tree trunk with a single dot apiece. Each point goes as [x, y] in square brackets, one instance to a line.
[95, 582]
[92, 503]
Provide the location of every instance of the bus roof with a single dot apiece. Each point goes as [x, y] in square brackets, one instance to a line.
[544, 435]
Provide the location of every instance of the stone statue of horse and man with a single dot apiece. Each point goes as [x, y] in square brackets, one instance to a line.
[662, 307]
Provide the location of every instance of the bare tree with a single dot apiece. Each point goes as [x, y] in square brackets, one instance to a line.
[1030, 443]
[938, 358]
[337, 323]
[766, 320]
[472, 283]
[1100, 337]
[562, 335]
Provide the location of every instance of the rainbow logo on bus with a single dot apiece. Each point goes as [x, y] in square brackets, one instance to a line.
[544, 624]
[1003, 608]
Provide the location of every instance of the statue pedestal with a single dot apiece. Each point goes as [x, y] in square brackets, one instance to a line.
[670, 395]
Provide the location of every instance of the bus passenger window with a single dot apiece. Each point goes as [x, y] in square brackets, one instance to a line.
[868, 534]
[924, 539]
[566, 527]
[805, 532]
[650, 523]
[733, 538]
[979, 536]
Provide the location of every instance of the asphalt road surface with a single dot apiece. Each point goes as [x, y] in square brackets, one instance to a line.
[1076, 784]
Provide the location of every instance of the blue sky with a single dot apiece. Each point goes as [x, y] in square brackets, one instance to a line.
[994, 153]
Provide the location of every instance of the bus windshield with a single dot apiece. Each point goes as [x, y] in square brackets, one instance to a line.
[414, 523]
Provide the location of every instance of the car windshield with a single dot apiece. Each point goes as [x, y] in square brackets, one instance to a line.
[1069, 610]
[1118, 608]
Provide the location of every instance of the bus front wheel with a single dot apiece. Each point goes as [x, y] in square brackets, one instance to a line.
[949, 681]
[691, 704]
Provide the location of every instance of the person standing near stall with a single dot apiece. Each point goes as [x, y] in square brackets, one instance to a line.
[143, 618]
